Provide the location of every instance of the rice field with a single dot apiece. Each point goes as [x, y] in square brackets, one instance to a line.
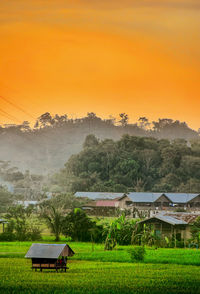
[93, 270]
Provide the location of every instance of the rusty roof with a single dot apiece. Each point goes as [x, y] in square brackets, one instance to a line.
[190, 218]
[106, 203]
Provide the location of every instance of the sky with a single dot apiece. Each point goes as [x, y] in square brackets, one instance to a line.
[141, 57]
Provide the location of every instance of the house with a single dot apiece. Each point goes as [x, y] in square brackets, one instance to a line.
[146, 199]
[143, 204]
[147, 203]
[106, 207]
[101, 207]
[49, 256]
[169, 226]
[186, 200]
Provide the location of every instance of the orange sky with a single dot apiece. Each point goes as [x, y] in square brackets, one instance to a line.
[141, 57]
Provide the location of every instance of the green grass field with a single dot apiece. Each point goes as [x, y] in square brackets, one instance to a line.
[92, 270]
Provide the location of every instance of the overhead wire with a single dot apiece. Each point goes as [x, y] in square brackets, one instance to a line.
[9, 116]
[8, 100]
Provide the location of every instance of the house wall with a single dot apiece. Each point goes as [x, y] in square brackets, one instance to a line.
[168, 230]
[194, 202]
[162, 201]
[123, 203]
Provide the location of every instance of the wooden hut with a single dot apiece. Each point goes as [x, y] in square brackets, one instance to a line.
[165, 225]
[49, 256]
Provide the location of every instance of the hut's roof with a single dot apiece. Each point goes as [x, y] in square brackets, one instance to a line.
[49, 251]
[167, 219]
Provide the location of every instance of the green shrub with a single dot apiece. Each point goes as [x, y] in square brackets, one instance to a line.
[34, 234]
[137, 253]
[7, 236]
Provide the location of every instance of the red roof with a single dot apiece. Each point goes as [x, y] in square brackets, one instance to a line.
[106, 203]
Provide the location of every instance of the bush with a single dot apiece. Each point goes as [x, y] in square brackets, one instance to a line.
[80, 227]
[137, 253]
[7, 236]
[34, 234]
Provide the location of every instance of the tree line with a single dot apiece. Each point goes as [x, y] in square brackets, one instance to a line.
[44, 147]
[132, 164]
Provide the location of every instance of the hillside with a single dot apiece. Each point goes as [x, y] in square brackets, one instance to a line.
[46, 147]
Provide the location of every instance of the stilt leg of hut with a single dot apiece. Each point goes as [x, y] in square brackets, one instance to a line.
[175, 236]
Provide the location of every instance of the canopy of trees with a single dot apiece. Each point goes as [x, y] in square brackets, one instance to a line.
[132, 164]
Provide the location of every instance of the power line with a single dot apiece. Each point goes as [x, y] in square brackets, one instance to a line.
[9, 116]
[16, 106]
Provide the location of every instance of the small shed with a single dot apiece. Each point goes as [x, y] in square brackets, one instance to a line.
[49, 256]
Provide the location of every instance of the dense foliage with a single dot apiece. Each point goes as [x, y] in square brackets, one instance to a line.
[20, 226]
[133, 164]
[195, 230]
[119, 231]
[80, 227]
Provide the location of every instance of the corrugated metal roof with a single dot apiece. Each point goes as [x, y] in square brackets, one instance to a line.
[189, 218]
[180, 197]
[106, 203]
[99, 195]
[144, 196]
[45, 250]
[168, 219]
[139, 196]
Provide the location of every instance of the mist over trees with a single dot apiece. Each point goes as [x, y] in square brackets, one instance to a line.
[53, 139]
[132, 164]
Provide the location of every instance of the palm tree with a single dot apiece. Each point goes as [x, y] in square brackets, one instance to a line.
[54, 219]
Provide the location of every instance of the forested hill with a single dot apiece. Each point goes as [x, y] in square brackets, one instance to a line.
[46, 147]
[132, 164]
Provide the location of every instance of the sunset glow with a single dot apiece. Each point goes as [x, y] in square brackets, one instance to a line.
[138, 57]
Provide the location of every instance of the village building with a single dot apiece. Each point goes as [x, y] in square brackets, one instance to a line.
[106, 207]
[185, 200]
[141, 204]
[169, 226]
[172, 224]
[49, 256]
[147, 204]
